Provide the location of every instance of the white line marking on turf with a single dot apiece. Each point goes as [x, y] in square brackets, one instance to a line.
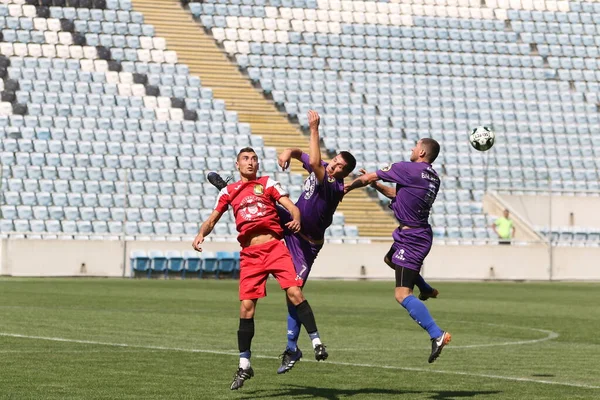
[392, 367]
[550, 335]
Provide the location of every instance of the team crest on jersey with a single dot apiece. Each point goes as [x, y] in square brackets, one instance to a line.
[251, 208]
[387, 168]
[309, 186]
[258, 190]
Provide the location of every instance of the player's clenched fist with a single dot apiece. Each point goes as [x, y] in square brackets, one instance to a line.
[313, 119]
[284, 159]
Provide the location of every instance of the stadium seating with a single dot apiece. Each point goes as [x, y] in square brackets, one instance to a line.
[104, 132]
[384, 74]
[187, 264]
[572, 236]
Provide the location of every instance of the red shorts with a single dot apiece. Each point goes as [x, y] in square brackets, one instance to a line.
[258, 261]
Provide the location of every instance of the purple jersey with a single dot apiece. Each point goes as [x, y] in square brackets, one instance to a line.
[318, 201]
[417, 185]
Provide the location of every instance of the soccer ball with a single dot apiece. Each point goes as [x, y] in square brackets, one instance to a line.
[482, 138]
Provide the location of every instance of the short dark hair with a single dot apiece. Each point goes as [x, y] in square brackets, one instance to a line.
[432, 149]
[350, 161]
[245, 150]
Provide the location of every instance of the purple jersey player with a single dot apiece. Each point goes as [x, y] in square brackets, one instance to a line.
[417, 185]
[322, 192]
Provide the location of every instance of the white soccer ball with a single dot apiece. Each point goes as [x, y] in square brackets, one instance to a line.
[482, 138]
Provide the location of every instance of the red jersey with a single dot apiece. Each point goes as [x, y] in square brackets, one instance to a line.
[253, 205]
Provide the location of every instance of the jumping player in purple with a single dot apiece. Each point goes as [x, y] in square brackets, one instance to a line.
[322, 192]
[425, 290]
[417, 185]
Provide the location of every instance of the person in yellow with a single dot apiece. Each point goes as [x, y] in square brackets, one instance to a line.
[504, 228]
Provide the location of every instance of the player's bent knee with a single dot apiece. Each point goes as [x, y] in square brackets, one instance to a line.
[295, 295]
[401, 293]
[247, 308]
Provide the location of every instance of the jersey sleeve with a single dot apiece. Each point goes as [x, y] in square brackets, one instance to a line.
[305, 158]
[274, 189]
[395, 173]
[222, 203]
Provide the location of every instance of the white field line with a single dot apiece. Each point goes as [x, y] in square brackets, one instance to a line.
[549, 336]
[390, 367]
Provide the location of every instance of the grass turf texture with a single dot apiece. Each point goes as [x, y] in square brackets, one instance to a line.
[359, 322]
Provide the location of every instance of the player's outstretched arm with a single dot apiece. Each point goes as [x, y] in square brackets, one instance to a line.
[286, 155]
[314, 156]
[387, 191]
[294, 224]
[361, 181]
[206, 229]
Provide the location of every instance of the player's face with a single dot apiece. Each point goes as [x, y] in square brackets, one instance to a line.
[247, 164]
[416, 152]
[336, 168]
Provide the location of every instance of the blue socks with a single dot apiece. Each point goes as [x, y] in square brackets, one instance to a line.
[419, 312]
[422, 285]
[293, 327]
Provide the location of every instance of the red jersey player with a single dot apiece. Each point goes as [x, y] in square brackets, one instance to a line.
[253, 201]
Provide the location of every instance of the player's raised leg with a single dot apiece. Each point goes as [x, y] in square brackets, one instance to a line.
[425, 290]
[253, 279]
[292, 354]
[245, 335]
[405, 278]
[307, 318]
[217, 180]
[303, 254]
[281, 266]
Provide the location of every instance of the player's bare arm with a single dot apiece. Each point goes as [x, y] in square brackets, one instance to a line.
[314, 156]
[286, 155]
[294, 224]
[361, 181]
[387, 191]
[206, 229]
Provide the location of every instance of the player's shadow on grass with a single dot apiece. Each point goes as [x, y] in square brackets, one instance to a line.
[308, 392]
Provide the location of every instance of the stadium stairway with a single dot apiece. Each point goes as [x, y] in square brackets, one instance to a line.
[200, 52]
[494, 204]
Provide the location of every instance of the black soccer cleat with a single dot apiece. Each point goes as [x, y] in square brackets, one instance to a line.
[438, 344]
[240, 376]
[321, 353]
[218, 182]
[289, 358]
[423, 296]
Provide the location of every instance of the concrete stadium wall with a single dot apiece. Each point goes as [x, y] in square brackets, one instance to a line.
[536, 210]
[576, 263]
[336, 261]
[446, 262]
[61, 258]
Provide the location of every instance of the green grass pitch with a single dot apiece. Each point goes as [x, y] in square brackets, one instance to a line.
[156, 339]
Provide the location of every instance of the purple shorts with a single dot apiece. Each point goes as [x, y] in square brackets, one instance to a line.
[303, 253]
[410, 247]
